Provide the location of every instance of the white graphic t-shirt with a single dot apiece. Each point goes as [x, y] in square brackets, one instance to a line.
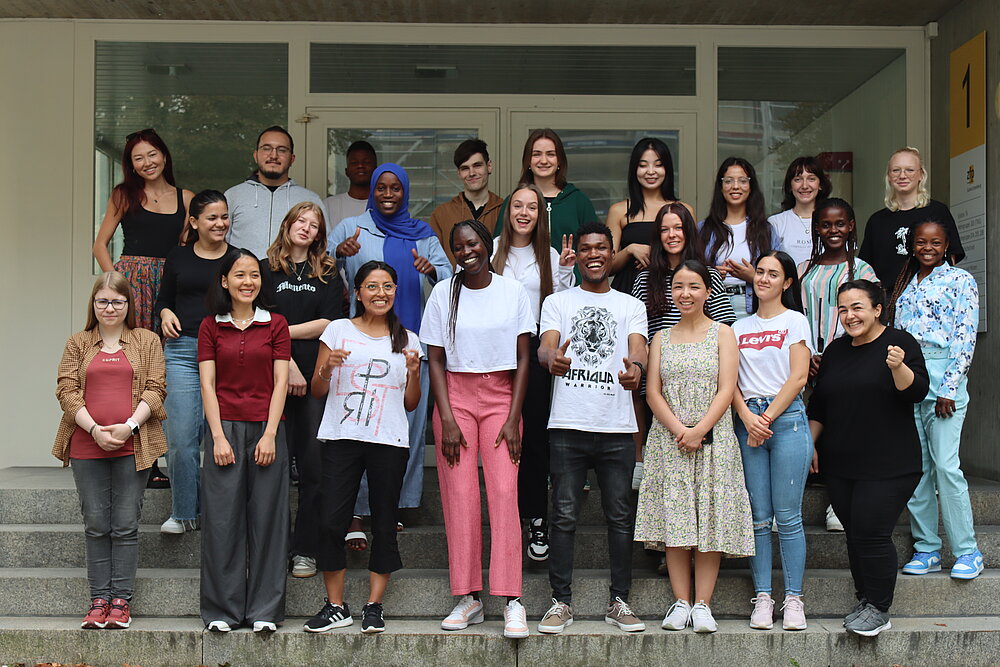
[589, 397]
[764, 351]
[794, 234]
[365, 402]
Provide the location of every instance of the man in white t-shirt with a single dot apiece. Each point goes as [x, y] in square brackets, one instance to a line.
[593, 339]
[361, 162]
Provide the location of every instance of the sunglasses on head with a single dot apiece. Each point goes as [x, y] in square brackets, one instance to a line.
[136, 135]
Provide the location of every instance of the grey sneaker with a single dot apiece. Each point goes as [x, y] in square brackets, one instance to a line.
[854, 612]
[303, 567]
[556, 619]
[869, 622]
[620, 614]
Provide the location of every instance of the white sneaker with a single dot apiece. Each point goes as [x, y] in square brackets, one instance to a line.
[264, 626]
[678, 616]
[702, 619]
[303, 567]
[219, 626]
[833, 524]
[515, 621]
[468, 611]
[762, 616]
[172, 527]
[637, 475]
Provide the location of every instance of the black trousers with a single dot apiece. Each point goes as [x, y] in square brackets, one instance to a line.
[533, 473]
[303, 415]
[344, 461]
[869, 509]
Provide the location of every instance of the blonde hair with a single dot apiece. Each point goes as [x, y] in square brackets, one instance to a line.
[923, 194]
[279, 254]
[118, 284]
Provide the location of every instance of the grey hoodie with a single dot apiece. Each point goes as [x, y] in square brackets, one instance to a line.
[255, 213]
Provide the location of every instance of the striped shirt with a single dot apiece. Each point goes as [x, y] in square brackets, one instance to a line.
[718, 306]
[819, 297]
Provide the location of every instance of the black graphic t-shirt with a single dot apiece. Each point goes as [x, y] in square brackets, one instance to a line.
[884, 246]
[589, 397]
[365, 402]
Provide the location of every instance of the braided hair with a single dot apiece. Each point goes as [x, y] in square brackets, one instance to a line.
[909, 270]
[817, 243]
[459, 279]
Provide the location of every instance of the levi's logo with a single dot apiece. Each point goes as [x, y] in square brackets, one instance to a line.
[760, 340]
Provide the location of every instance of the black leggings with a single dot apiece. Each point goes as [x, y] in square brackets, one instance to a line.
[344, 461]
[533, 473]
[869, 509]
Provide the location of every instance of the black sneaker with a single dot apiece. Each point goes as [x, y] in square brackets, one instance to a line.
[329, 617]
[538, 540]
[371, 618]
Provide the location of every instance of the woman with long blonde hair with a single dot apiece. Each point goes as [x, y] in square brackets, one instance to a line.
[309, 293]
[907, 203]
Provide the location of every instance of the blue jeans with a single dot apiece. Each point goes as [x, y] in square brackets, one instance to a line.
[612, 456]
[775, 474]
[942, 472]
[413, 479]
[184, 426]
[110, 493]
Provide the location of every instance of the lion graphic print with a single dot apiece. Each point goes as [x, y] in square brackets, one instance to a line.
[594, 335]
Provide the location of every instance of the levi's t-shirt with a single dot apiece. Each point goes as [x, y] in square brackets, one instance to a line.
[589, 397]
[764, 351]
[365, 402]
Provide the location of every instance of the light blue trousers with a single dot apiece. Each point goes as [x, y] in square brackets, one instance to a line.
[939, 443]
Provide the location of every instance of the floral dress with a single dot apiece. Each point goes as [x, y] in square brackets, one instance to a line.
[698, 499]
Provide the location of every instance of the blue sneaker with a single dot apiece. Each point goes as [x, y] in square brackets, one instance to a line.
[923, 562]
[968, 566]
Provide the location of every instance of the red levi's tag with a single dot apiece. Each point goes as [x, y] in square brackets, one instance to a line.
[760, 340]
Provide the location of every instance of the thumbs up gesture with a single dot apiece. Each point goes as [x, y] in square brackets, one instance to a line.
[350, 246]
[629, 378]
[421, 264]
[559, 363]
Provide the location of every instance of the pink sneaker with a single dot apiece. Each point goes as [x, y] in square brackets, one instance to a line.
[795, 613]
[762, 616]
[468, 611]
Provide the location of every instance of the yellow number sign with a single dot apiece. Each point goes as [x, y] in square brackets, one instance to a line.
[967, 93]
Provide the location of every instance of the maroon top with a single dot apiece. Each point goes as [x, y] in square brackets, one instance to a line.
[244, 362]
[108, 397]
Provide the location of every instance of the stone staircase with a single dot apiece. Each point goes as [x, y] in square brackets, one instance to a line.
[43, 594]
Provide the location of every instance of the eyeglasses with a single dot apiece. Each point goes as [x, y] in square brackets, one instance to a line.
[280, 150]
[372, 288]
[897, 172]
[743, 181]
[136, 135]
[117, 304]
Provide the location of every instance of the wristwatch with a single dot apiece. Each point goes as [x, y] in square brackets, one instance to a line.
[132, 425]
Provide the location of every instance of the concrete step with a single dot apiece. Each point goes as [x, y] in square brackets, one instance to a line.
[48, 495]
[426, 594]
[182, 642]
[63, 545]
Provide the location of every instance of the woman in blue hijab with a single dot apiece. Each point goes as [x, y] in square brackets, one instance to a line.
[386, 232]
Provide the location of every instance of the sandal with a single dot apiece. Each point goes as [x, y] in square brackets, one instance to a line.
[356, 540]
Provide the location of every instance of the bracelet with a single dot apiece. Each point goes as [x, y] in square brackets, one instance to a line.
[91, 431]
[320, 374]
[766, 418]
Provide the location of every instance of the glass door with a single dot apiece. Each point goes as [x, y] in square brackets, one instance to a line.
[598, 145]
[420, 140]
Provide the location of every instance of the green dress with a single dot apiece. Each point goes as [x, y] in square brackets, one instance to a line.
[695, 500]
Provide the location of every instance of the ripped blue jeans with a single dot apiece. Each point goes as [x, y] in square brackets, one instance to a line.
[775, 474]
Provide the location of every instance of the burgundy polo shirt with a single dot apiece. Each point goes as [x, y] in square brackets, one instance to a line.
[244, 362]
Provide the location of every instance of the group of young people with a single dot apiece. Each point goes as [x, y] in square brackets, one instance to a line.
[668, 355]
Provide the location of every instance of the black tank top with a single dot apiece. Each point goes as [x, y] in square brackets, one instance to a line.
[149, 234]
[640, 232]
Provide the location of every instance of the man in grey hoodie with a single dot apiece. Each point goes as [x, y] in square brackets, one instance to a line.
[258, 204]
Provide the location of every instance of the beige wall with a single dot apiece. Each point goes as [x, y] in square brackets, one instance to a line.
[36, 188]
[980, 454]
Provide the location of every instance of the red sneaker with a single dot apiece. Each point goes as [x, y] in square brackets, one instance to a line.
[97, 617]
[119, 616]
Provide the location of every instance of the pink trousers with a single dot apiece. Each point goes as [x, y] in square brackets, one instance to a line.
[480, 403]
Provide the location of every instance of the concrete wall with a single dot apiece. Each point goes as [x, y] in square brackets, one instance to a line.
[36, 224]
[980, 454]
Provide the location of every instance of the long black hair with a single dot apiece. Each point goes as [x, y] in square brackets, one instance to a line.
[715, 233]
[636, 202]
[660, 274]
[851, 246]
[397, 332]
[799, 166]
[197, 206]
[791, 298]
[910, 269]
[219, 300]
[459, 279]
[698, 267]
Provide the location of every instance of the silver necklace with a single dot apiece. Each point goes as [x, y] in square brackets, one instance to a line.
[298, 274]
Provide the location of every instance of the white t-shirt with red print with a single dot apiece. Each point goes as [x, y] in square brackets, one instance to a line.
[764, 344]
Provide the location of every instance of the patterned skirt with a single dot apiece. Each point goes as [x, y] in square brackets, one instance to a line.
[143, 275]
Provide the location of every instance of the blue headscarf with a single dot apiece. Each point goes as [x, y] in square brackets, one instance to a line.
[401, 234]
